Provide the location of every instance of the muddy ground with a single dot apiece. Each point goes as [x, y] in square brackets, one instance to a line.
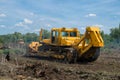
[107, 67]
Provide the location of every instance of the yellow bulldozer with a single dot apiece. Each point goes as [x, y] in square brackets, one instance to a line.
[69, 46]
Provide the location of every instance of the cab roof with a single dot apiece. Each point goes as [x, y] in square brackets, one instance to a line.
[64, 29]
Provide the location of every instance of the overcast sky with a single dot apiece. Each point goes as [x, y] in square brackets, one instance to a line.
[31, 15]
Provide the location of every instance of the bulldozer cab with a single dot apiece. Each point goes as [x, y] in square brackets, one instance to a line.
[64, 36]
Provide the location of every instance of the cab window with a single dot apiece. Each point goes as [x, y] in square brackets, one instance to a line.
[56, 33]
[73, 34]
[53, 33]
[64, 33]
[54, 36]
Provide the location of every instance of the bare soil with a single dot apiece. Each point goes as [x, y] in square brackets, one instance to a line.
[107, 67]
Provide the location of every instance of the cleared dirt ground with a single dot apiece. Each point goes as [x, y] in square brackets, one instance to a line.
[107, 67]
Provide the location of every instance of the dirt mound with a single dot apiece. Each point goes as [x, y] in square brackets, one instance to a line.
[38, 70]
[22, 68]
[47, 72]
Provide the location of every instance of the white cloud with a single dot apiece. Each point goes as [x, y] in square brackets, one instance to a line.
[2, 15]
[20, 24]
[83, 28]
[99, 25]
[24, 23]
[48, 25]
[27, 21]
[32, 14]
[91, 15]
[2, 26]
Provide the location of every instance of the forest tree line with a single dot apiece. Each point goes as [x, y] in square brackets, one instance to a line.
[111, 40]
